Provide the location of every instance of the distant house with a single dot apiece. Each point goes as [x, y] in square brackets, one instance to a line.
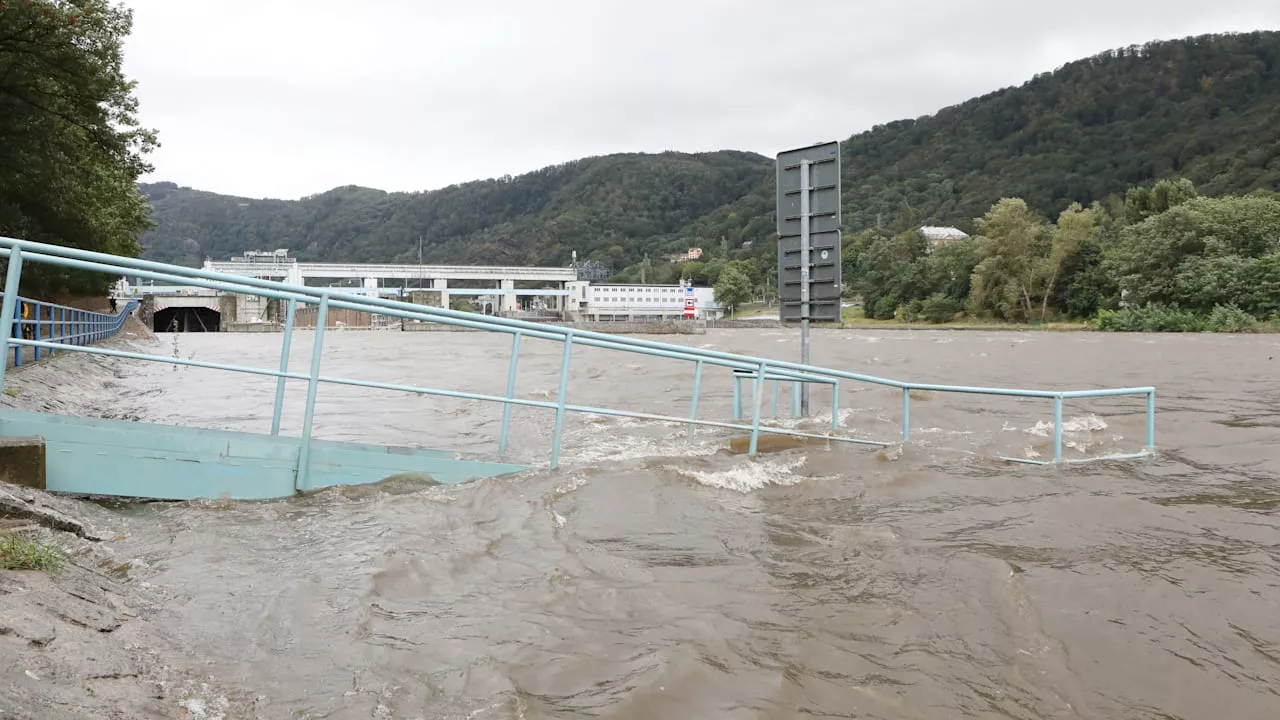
[688, 256]
[939, 236]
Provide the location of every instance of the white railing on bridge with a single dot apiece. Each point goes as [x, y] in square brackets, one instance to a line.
[393, 271]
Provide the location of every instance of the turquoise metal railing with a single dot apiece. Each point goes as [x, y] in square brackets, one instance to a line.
[61, 325]
[758, 370]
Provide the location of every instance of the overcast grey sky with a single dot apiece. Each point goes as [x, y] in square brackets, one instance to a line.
[285, 98]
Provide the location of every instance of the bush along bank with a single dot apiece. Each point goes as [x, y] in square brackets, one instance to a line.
[1162, 318]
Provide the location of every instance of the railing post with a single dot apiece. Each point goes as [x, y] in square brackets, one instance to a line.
[906, 414]
[286, 344]
[1057, 428]
[737, 396]
[697, 391]
[1151, 421]
[39, 333]
[835, 405]
[777, 390]
[511, 393]
[558, 433]
[313, 381]
[757, 399]
[795, 399]
[9, 307]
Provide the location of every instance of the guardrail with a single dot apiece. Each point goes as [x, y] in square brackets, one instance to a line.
[60, 325]
[759, 370]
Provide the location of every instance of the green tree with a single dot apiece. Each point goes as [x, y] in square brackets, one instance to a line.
[1141, 203]
[733, 288]
[1015, 243]
[71, 148]
[1203, 252]
[948, 270]
[1076, 228]
[888, 273]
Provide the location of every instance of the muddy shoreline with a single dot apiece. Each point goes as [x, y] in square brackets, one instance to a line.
[78, 642]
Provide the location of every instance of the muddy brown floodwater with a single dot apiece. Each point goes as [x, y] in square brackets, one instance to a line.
[655, 576]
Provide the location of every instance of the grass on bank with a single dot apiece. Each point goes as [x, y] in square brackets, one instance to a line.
[18, 552]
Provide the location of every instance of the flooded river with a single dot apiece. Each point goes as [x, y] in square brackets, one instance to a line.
[654, 576]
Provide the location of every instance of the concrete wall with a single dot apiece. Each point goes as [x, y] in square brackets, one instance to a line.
[430, 298]
[306, 318]
[744, 324]
[227, 306]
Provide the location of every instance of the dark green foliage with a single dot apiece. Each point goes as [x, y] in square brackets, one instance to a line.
[940, 308]
[1196, 108]
[733, 287]
[1161, 318]
[70, 147]
[611, 209]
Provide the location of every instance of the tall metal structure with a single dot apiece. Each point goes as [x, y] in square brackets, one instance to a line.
[809, 282]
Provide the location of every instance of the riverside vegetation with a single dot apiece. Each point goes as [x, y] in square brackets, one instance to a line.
[1157, 164]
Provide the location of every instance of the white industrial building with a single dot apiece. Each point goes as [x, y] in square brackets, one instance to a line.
[639, 303]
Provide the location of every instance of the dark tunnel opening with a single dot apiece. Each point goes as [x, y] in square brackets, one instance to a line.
[187, 319]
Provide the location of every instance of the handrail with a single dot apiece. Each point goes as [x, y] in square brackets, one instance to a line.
[760, 370]
[59, 325]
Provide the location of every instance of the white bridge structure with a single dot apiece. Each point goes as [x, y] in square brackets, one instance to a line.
[278, 265]
[498, 290]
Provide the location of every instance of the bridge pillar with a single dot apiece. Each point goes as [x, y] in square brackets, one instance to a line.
[507, 302]
[228, 310]
[442, 284]
[147, 311]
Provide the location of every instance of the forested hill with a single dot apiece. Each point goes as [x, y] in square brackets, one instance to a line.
[1204, 108]
[608, 208]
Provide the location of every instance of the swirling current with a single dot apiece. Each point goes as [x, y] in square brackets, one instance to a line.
[658, 576]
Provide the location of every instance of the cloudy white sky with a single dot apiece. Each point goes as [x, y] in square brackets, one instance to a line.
[285, 98]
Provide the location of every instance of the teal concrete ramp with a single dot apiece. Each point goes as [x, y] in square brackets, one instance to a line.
[132, 459]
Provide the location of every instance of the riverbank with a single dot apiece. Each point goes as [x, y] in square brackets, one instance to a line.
[77, 640]
[77, 637]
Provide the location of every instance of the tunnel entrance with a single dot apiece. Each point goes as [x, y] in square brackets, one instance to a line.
[187, 319]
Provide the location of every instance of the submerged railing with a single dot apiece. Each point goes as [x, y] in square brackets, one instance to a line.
[60, 325]
[757, 370]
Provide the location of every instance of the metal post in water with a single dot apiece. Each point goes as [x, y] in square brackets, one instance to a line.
[835, 405]
[757, 398]
[511, 393]
[795, 399]
[558, 433]
[313, 382]
[737, 396]
[906, 414]
[697, 391]
[804, 280]
[1151, 421]
[285, 346]
[10, 306]
[1057, 429]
